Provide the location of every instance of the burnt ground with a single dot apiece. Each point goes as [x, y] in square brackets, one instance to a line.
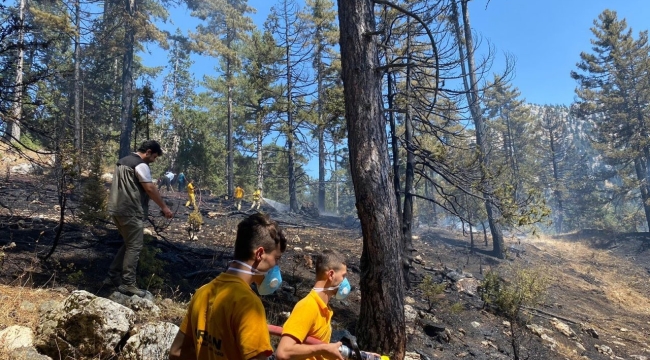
[598, 280]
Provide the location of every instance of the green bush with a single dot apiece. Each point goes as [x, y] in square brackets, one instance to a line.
[526, 288]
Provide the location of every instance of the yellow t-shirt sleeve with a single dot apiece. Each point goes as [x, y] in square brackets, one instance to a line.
[301, 321]
[252, 333]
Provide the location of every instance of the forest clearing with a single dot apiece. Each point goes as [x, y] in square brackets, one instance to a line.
[597, 279]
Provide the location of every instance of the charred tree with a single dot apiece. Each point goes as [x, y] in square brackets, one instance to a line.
[381, 324]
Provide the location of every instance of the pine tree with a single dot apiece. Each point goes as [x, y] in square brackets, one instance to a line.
[614, 86]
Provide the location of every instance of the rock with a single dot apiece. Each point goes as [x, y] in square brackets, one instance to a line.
[297, 249]
[418, 259]
[412, 356]
[107, 177]
[549, 340]
[84, 325]
[409, 313]
[152, 341]
[147, 231]
[454, 276]
[432, 329]
[624, 330]
[27, 306]
[475, 324]
[590, 330]
[284, 315]
[309, 248]
[638, 357]
[537, 329]
[506, 324]
[142, 306]
[604, 349]
[563, 328]
[468, 286]
[409, 300]
[15, 337]
[27, 169]
[28, 353]
[580, 347]
[48, 306]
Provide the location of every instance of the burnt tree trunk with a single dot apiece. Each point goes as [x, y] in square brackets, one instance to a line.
[381, 326]
[498, 245]
[127, 81]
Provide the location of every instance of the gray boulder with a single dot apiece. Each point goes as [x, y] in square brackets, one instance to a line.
[84, 325]
[27, 169]
[144, 307]
[151, 342]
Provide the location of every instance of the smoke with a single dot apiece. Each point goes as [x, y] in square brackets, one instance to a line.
[280, 207]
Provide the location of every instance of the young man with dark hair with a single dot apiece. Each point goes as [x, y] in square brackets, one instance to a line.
[312, 316]
[128, 204]
[225, 318]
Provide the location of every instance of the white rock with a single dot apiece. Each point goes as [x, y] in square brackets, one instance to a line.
[537, 329]
[27, 169]
[147, 231]
[563, 328]
[409, 313]
[297, 249]
[549, 340]
[604, 349]
[412, 356]
[152, 341]
[475, 324]
[107, 177]
[309, 248]
[409, 300]
[15, 337]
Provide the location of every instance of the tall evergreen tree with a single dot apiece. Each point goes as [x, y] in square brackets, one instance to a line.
[614, 86]
[227, 26]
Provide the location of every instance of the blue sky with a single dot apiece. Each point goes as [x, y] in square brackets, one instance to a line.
[544, 36]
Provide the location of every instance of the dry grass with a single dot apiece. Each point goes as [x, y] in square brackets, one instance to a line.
[608, 288]
[19, 305]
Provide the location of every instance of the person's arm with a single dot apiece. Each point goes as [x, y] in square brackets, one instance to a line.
[289, 349]
[152, 191]
[182, 348]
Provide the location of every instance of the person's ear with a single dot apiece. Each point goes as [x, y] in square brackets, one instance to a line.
[330, 274]
[258, 254]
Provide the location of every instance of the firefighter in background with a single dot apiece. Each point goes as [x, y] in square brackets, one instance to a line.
[257, 199]
[239, 195]
[190, 194]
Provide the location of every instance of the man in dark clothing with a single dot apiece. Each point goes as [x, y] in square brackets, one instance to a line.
[128, 204]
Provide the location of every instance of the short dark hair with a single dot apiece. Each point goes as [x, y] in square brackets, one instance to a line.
[255, 231]
[329, 260]
[152, 145]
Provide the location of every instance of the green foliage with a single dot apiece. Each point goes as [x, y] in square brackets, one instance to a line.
[76, 277]
[525, 288]
[456, 308]
[94, 199]
[194, 222]
[151, 270]
[431, 290]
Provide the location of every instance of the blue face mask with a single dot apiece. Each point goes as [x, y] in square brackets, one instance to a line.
[272, 281]
[343, 289]
[272, 278]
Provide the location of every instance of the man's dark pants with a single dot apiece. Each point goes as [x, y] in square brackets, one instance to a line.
[125, 264]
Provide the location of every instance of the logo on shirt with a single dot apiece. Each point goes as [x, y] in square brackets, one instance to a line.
[203, 337]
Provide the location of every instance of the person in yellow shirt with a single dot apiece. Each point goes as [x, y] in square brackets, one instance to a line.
[312, 316]
[257, 199]
[239, 195]
[190, 194]
[225, 318]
